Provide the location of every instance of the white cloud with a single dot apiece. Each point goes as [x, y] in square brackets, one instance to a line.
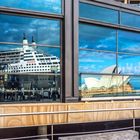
[134, 48]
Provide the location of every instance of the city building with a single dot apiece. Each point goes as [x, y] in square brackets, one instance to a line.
[59, 51]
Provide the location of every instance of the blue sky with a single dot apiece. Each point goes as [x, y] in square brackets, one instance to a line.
[133, 20]
[101, 38]
[95, 12]
[45, 31]
[50, 6]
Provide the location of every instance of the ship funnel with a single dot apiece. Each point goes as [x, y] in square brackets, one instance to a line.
[33, 43]
[25, 42]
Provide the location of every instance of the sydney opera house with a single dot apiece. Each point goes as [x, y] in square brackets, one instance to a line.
[106, 84]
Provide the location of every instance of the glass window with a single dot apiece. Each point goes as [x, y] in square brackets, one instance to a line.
[43, 30]
[108, 86]
[96, 37]
[19, 83]
[129, 64]
[98, 13]
[133, 20]
[128, 42]
[50, 6]
[98, 62]
[27, 47]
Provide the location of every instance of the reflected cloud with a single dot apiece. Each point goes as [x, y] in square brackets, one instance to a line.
[13, 27]
[51, 6]
[95, 37]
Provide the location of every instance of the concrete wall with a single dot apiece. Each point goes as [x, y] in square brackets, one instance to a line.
[119, 135]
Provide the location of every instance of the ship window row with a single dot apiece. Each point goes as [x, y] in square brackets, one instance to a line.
[108, 15]
[35, 70]
[16, 67]
[28, 51]
[28, 57]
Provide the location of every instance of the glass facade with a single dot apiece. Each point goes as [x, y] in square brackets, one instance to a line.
[133, 20]
[96, 37]
[109, 58]
[50, 6]
[109, 86]
[97, 62]
[43, 30]
[128, 42]
[35, 47]
[29, 59]
[109, 15]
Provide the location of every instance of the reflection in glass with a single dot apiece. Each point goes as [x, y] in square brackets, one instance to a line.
[29, 87]
[129, 64]
[50, 6]
[128, 42]
[96, 37]
[90, 61]
[98, 13]
[45, 31]
[29, 72]
[133, 20]
[109, 86]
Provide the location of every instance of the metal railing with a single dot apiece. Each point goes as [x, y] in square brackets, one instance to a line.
[52, 134]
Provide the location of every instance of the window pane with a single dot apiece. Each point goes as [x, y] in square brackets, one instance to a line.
[129, 64]
[50, 6]
[128, 42]
[133, 20]
[44, 31]
[98, 13]
[108, 86]
[97, 62]
[29, 73]
[96, 37]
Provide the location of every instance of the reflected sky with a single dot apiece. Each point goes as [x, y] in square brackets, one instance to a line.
[95, 37]
[49, 51]
[135, 82]
[98, 13]
[95, 61]
[128, 42]
[50, 6]
[45, 31]
[129, 64]
[133, 20]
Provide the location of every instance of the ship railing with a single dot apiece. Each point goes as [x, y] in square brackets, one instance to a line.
[51, 135]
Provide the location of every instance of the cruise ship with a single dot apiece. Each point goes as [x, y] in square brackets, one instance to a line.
[28, 59]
